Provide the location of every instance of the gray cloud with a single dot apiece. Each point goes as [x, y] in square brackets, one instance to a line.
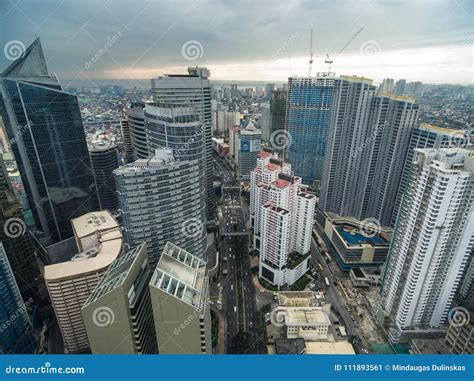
[231, 32]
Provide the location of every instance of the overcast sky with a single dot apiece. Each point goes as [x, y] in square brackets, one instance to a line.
[431, 40]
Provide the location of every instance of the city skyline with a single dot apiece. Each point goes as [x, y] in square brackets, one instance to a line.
[427, 42]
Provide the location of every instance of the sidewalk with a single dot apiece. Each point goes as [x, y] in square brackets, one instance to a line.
[221, 344]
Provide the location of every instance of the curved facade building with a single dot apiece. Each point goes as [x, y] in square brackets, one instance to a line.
[137, 130]
[104, 160]
[162, 200]
[177, 128]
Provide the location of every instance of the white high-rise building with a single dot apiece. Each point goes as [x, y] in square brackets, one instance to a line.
[431, 244]
[282, 219]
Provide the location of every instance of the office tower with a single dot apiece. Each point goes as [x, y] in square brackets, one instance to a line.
[118, 315]
[431, 244]
[192, 90]
[265, 122]
[234, 91]
[269, 87]
[423, 136]
[162, 199]
[179, 292]
[367, 145]
[104, 160]
[97, 242]
[349, 145]
[178, 128]
[138, 133]
[127, 141]
[277, 112]
[400, 87]
[387, 86]
[50, 145]
[16, 332]
[16, 241]
[224, 121]
[308, 109]
[250, 141]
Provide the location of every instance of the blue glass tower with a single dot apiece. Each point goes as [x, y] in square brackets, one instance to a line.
[45, 130]
[308, 110]
[16, 333]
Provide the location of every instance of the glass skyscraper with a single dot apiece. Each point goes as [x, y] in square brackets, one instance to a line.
[45, 130]
[16, 333]
[307, 121]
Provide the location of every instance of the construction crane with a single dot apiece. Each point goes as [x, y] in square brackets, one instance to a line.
[311, 53]
[329, 61]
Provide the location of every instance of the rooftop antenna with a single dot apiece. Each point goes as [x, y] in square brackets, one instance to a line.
[311, 53]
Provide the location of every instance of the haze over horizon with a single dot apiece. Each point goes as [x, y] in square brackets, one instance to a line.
[428, 41]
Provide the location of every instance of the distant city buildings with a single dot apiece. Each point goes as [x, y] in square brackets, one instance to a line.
[80, 263]
[431, 244]
[104, 159]
[45, 130]
[118, 315]
[179, 292]
[308, 110]
[162, 199]
[16, 332]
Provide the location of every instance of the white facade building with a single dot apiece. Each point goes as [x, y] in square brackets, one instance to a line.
[432, 242]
